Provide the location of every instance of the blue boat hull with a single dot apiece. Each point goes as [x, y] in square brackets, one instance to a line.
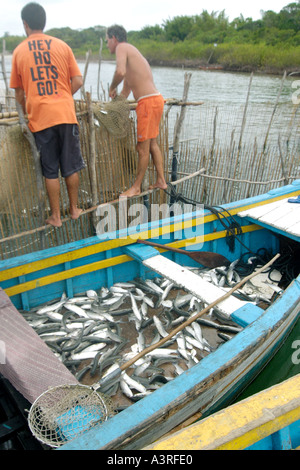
[217, 379]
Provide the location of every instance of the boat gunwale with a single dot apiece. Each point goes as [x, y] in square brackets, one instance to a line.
[44, 259]
[71, 251]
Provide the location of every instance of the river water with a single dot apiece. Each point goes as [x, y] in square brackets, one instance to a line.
[224, 96]
[206, 85]
[225, 90]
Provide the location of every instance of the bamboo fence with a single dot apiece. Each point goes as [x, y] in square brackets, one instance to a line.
[237, 161]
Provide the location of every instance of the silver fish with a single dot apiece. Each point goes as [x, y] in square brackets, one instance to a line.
[167, 290]
[51, 308]
[92, 294]
[125, 388]
[135, 308]
[125, 285]
[159, 326]
[141, 342]
[194, 342]
[118, 290]
[142, 367]
[154, 286]
[76, 309]
[161, 352]
[78, 300]
[133, 383]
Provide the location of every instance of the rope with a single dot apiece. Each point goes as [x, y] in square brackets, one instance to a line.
[250, 260]
[231, 226]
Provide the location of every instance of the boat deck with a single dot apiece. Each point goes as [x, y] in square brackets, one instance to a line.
[280, 216]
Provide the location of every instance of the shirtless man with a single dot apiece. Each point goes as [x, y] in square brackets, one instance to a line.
[134, 71]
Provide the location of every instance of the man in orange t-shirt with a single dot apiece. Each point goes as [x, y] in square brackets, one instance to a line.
[45, 76]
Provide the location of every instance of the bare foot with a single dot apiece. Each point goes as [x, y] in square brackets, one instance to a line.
[131, 192]
[56, 222]
[159, 185]
[75, 214]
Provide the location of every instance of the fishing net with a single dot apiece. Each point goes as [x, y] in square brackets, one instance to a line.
[63, 413]
[114, 116]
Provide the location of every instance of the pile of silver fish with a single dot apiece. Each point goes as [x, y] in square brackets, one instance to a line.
[87, 332]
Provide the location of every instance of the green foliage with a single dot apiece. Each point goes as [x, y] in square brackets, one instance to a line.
[11, 42]
[207, 38]
[178, 28]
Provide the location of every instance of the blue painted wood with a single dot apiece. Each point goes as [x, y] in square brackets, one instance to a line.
[141, 252]
[285, 439]
[282, 440]
[247, 314]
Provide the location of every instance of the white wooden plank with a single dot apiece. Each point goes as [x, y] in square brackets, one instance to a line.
[295, 229]
[282, 215]
[257, 212]
[193, 283]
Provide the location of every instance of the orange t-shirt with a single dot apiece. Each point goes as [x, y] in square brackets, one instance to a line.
[43, 67]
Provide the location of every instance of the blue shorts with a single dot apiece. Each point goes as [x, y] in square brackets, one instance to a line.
[59, 148]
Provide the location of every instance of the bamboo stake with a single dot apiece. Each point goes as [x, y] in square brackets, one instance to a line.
[5, 75]
[245, 113]
[99, 68]
[38, 169]
[273, 113]
[92, 159]
[282, 162]
[178, 127]
[87, 60]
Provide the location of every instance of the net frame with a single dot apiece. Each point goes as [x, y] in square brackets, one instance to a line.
[114, 116]
[63, 413]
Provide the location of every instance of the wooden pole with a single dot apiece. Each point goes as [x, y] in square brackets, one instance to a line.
[178, 126]
[38, 170]
[273, 113]
[92, 159]
[99, 68]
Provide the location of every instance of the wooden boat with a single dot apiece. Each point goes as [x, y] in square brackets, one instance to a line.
[268, 420]
[217, 379]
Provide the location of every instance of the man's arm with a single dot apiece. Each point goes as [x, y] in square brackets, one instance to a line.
[126, 89]
[76, 83]
[120, 72]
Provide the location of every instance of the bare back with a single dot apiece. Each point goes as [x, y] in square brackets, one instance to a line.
[138, 74]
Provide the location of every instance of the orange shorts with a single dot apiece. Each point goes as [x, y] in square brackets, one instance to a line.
[149, 111]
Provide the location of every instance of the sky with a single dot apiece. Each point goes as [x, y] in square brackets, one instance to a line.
[132, 14]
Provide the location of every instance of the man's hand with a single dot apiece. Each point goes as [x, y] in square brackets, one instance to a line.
[113, 93]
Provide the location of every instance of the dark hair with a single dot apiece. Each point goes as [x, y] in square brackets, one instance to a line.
[34, 15]
[118, 31]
